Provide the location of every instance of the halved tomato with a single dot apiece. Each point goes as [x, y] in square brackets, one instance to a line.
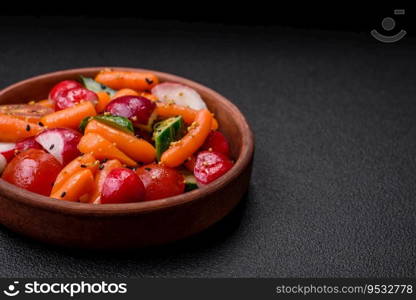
[28, 112]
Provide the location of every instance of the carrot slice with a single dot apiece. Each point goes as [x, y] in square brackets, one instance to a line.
[103, 100]
[179, 151]
[27, 112]
[47, 103]
[138, 149]
[165, 110]
[13, 128]
[86, 161]
[74, 187]
[70, 117]
[100, 177]
[149, 96]
[102, 148]
[117, 80]
[125, 92]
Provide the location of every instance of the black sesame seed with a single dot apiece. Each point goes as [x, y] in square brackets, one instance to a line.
[41, 124]
[27, 127]
[63, 194]
[51, 147]
[83, 166]
[148, 169]
[149, 81]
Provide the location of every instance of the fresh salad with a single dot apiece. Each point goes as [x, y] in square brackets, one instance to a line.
[120, 137]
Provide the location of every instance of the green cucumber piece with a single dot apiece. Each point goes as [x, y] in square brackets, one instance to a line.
[166, 132]
[117, 122]
[95, 86]
[190, 182]
[84, 123]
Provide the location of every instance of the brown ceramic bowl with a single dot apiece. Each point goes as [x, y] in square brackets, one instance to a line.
[114, 226]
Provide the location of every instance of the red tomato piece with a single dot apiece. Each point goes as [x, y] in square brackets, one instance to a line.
[216, 142]
[63, 86]
[210, 166]
[160, 181]
[69, 98]
[33, 170]
[122, 186]
[190, 163]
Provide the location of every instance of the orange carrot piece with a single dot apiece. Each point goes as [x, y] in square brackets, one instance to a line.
[138, 149]
[70, 117]
[149, 96]
[117, 80]
[103, 100]
[86, 161]
[165, 110]
[27, 112]
[13, 128]
[102, 148]
[179, 151]
[47, 103]
[100, 177]
[125, 92]
[74, 187]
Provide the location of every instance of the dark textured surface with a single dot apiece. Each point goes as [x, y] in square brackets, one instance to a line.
[333, 190]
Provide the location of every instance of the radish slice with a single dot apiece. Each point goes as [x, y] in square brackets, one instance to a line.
[6, 147]
[179, 94]
[7, 150]
[61, 143]
[3, 163]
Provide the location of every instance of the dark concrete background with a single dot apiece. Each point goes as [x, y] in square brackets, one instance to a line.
[333, 188]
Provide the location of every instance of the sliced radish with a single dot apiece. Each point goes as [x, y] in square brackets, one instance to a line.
[27, 143]
[170, 92]
[3, 163]
[7, 150]
[6, 147]
[61, 143]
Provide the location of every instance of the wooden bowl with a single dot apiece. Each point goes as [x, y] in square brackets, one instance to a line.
[115, 226]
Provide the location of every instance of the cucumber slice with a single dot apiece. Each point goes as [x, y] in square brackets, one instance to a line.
[190, 183]
[166, 132]
[117, 122]
[189, 179]
[96, 87]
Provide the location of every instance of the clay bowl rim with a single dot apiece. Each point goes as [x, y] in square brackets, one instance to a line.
[75, 208]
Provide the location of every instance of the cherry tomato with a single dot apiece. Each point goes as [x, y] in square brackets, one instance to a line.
[122, 186]
[63, 86]
[211, 165]
[68, 98]
[160, 181]
[33, 170]
[216, 142]
[28, 112]
[190, 163]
